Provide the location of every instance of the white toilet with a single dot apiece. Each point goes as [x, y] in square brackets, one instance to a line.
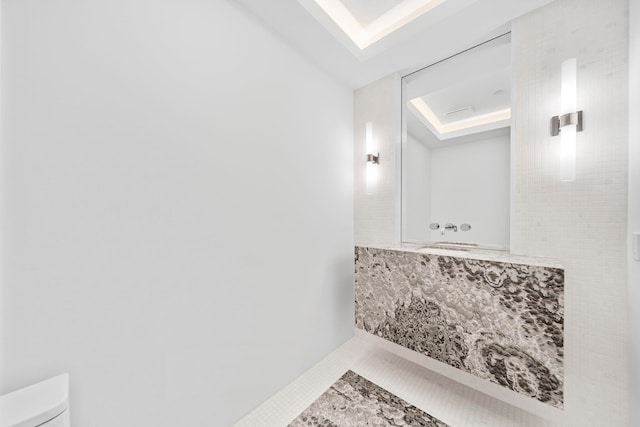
[44, 404]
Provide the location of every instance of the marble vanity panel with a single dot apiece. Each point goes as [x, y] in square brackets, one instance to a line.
[499, 321]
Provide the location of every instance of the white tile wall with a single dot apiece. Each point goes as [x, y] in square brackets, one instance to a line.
[633, 279]
[377, 215]
[582, 223]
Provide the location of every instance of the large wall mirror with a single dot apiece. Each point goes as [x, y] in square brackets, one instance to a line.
[456, 118]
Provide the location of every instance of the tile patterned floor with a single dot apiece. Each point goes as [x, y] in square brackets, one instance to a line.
[449, 401]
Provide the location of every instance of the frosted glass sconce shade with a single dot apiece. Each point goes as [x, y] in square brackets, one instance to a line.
[373, 158]
[569, 123]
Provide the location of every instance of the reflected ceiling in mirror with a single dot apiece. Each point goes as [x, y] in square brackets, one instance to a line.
[464, 95]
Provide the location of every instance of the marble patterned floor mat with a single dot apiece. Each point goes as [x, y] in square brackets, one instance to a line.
[354, 401]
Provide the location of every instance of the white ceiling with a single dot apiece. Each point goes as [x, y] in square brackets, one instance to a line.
[420, 132]
[366, 11]
[483, 94]
[450, 27]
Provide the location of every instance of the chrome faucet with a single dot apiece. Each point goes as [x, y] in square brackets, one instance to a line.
[450, 227]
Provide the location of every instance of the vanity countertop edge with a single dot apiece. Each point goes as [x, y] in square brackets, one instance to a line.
[478, 254]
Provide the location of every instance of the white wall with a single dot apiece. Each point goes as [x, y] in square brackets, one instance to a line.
[582, 223]
[417, 191]
[377, 211]
[177, 209]
[470, 185]
[633, 278]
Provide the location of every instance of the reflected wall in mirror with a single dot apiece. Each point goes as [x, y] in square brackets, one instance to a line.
[456, 119]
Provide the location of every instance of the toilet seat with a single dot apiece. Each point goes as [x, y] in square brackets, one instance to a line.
[35, 405]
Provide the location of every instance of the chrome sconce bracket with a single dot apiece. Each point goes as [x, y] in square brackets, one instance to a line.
[558, 122]
[373, 158]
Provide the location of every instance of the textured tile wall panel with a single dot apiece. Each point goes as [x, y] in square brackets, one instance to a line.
[377, 213]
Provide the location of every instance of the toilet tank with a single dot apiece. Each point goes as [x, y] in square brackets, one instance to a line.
[43, 404]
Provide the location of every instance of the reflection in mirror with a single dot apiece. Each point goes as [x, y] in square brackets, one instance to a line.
[456, 148]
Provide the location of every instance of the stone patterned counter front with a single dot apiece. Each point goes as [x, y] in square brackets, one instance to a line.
[499, 321]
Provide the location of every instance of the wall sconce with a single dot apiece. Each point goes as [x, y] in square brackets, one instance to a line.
[373, 160]
[569, 122]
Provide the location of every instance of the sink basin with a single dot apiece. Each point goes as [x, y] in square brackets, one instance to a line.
[462, 247]
[447, 247]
